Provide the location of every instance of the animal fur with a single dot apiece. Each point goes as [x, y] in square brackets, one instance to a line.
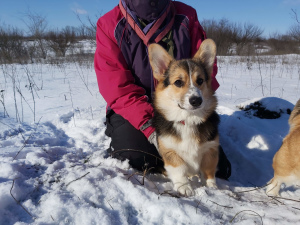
[286, 162]
[184, 115]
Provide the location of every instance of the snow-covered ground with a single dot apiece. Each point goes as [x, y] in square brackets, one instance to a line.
[54, 169]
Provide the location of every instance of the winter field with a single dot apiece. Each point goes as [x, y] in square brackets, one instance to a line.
[54, 169]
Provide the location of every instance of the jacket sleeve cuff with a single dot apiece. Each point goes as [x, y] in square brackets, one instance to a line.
[148, 131]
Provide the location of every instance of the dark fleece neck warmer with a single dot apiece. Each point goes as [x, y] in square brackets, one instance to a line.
[147, 10]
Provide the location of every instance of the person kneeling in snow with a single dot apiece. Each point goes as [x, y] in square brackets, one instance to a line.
[125, 78]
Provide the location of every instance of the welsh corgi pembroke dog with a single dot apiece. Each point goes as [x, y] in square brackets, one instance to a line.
[286, 162]
[184, 115]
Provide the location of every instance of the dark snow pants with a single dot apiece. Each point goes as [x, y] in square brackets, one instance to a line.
[130, 143]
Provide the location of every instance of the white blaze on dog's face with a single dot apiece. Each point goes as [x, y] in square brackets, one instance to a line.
[184, 86]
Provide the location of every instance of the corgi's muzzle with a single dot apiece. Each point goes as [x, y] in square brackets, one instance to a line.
[192, 100]
[195, 101]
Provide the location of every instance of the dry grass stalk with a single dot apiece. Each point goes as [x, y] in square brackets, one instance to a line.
[255, 214]
[18, 201]
[77, 179]
[26, 141]
[225, 206]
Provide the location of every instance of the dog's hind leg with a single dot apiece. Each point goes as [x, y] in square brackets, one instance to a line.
[273, 187]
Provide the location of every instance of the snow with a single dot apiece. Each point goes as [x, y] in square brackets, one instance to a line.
[54, 168]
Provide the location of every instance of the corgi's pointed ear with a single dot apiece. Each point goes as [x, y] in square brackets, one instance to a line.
[206, 54]
[159, 60]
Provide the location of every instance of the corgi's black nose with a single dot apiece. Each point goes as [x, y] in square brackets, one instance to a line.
[195, 101]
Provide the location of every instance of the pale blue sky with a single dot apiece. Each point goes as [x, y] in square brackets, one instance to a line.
[270, 15]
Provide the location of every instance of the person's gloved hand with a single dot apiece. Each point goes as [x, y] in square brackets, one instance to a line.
[153, 139]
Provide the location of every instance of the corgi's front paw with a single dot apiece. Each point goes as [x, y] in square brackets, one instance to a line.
[184, 189]
[211, 183]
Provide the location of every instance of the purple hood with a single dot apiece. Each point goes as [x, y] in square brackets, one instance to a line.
[148, 10]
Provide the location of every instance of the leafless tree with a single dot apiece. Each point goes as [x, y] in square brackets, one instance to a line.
[12, 47]
[228, 35]
[294, 30]
[81, 32]
[37, 25]
[89, 26]
[221, 32]
[61, 41]
[244, 35]
[281, 44]
[295, 15]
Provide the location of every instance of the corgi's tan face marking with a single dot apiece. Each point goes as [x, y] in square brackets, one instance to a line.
[160, 60]
[186, 83]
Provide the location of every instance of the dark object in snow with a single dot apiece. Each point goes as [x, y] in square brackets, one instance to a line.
[260, 111]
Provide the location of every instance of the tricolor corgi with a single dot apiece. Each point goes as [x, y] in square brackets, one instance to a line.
[286, 162]
[184, 115]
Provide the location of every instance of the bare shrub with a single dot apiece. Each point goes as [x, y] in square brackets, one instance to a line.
[82, 32]
[32, 49]
[294, 32]
[244, 36]
[281, 44]
[12, 47]
[89, 27]
[221, 33]
[232, 38]
[295, 15]
[37, 26]
[61, 41]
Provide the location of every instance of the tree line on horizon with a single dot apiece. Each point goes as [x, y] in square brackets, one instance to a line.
[247, 39]
[231, 38]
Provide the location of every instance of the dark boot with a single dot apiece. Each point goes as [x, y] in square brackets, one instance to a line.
[224, 166]
[130, 143]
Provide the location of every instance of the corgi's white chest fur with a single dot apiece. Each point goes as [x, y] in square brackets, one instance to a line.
[188, 148]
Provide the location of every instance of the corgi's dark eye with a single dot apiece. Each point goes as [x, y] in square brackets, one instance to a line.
[178, 83]
[199, 81]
